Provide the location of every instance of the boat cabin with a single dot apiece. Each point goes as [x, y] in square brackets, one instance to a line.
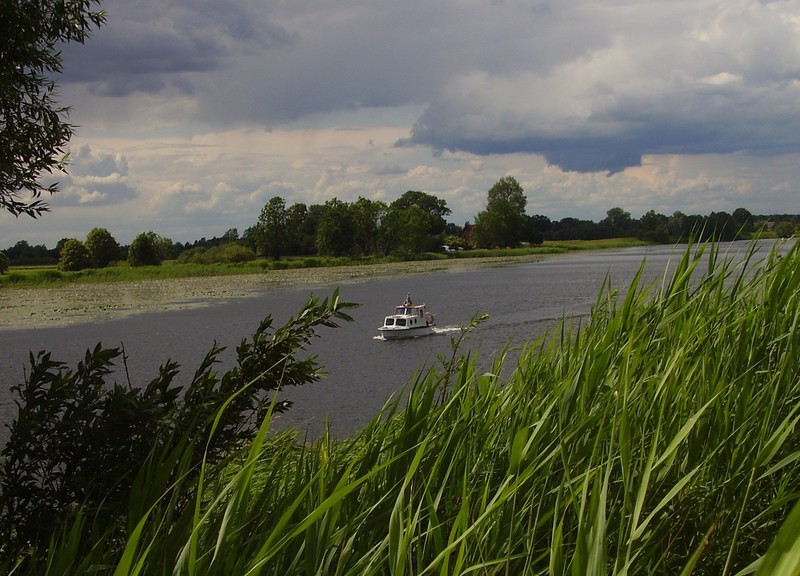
[407, 316]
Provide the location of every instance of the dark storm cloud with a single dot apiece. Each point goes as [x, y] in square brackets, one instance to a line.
[760, 120]
[591, 86]
[342, 57]
[150, 47]
[709, 78]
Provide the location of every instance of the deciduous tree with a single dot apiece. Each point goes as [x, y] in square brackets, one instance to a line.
[232, 235]
[504, 222]
[367, 216]
[301, 230]
[418, 223]
[272, 234]
[744, 220]
[654, 227]
[335, 229]
[144, 251]
[74, 256]
[784, 229]
[617, 224]
[33, 126]
[508, 190]
[102, 246]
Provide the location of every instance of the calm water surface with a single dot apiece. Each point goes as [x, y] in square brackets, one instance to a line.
[523, 301]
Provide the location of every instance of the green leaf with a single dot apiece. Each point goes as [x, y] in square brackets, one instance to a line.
[783, 556]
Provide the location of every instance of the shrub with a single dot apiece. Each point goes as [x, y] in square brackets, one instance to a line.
[234, 253]
[784, 229]
[5, 263]
[74, 256]
[79, 439]
[226, 253]
[192, 255]
[455, 243]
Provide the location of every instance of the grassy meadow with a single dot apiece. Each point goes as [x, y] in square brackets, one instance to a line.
[660, 437]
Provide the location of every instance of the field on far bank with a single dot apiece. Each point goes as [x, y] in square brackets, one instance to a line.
[51, 276]
[65, 303]
[37, 297]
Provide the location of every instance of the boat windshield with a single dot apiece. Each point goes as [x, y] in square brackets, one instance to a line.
[408, 311]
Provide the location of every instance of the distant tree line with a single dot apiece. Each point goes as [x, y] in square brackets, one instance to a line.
[412, 224]
[679, 227]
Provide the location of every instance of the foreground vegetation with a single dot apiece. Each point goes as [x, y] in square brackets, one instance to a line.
[660, 438]
[50, 275]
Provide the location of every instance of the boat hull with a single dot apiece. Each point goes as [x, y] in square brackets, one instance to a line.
[401, 333]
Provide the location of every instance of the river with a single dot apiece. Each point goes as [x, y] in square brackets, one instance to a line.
[523, 300]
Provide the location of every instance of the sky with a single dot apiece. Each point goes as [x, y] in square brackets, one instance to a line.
[191, 114]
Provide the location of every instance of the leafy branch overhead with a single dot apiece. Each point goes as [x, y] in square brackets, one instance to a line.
[33, 126]
[79, 438]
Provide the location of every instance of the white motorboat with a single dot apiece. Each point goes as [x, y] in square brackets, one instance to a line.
[408, 321]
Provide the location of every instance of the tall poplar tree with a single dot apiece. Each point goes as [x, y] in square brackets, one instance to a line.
[504, 222]
[272, 233]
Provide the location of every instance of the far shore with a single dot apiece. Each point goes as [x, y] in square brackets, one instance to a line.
[36, 307]
[75, 298]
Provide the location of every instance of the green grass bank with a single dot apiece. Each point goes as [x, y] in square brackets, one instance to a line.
[661, 437]
[43, 276]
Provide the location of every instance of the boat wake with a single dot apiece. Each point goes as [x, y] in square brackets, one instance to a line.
[446, 329]
[436, 330]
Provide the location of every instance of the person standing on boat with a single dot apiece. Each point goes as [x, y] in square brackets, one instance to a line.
[408, 301]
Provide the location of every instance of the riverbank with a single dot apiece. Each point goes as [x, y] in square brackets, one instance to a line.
[38, 297]
[34, 307]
